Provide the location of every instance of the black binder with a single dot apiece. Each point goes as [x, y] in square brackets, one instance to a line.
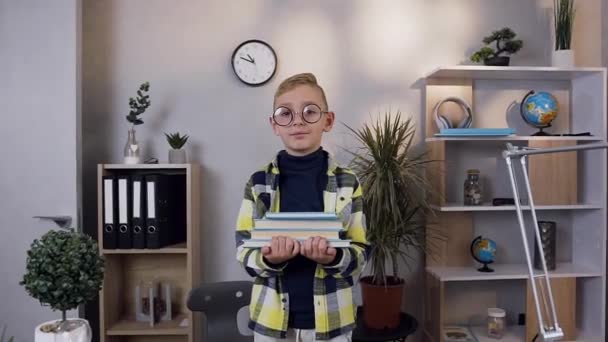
[138, 206]
[125, 232]
[166, 210]
[109, 214]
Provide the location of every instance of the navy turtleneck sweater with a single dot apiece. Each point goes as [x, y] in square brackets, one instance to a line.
[302, 181]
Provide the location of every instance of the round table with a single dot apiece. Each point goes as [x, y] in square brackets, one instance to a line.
[407, 326]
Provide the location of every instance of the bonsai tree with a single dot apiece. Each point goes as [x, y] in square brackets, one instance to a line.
[139, 104]
[505, 44]
[63, 270]
[563, 12]
[176, 141]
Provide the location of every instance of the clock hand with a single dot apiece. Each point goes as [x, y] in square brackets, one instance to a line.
[252, 60]
[245, 59]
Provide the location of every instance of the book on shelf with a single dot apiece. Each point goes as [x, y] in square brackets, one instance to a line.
[455, 132]
[298, 226]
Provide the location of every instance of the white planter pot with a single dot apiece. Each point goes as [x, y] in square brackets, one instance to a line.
[81, 333]
[177, 156]
[563, 58]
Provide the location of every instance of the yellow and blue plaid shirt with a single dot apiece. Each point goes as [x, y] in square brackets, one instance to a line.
[334, 306]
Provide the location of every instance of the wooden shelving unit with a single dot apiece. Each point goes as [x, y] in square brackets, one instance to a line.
[177, 264]
[568, 188]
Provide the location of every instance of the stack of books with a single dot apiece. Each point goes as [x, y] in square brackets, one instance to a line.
[298, 226]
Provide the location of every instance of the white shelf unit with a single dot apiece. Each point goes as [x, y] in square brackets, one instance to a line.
[569, 189]
[490, 207]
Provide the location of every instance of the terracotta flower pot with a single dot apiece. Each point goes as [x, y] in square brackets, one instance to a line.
[382, 303]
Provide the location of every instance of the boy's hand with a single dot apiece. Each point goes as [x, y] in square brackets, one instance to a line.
[281, 249]
[317, 249]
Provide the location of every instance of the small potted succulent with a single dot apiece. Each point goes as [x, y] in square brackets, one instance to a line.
[138, 106]
[177, 155]
[63, 270]
[506, 44]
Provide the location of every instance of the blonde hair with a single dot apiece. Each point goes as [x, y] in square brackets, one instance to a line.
[297, 80]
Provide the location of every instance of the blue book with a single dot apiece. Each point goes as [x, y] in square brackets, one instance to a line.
[453, 132]
[303, 216]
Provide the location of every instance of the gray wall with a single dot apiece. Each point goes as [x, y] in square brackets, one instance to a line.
[39, 154]
[369, 56]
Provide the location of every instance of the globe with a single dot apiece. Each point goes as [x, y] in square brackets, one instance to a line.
[484, 251]
[539, 109]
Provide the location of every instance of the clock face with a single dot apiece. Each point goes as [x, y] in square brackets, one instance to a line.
[254, 62]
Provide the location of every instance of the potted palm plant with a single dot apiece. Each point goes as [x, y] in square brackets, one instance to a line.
[63, 270]
[563, 21]
[395, 206]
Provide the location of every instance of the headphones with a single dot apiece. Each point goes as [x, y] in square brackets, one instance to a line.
[443, 122]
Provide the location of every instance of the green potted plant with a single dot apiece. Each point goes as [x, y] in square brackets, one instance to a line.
[4, 338]
[506, 44]
[138, 105]
[395, 206]
[563, 21]
[177, 155]
[63, 270]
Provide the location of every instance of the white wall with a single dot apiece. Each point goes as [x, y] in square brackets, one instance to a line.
[39, 154]
[368, 55]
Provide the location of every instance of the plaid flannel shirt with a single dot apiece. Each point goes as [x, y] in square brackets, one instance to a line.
[334, 306]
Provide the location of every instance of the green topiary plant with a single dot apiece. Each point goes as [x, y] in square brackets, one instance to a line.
[176, 141]
[505, 44]
[139, 105]
[63, 270]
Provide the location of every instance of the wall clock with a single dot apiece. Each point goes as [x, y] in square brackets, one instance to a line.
[254, 62]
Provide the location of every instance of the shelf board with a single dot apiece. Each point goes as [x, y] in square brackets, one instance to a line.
[145, 166]
[516, 138]
[515, 333]
[129, 327]
[512, 72]
[508, 271]
[179, 248]
[489, 207]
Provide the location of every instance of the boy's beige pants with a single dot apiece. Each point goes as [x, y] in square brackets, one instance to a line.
[300, 335]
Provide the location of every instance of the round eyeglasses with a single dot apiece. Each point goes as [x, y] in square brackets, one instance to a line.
[284, 116]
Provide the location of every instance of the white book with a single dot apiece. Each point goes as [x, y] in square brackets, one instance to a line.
[294, 234]
[258, 243]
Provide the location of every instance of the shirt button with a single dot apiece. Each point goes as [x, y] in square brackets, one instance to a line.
[284, 300]
[341, 198]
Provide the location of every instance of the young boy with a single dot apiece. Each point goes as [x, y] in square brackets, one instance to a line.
[302, 291]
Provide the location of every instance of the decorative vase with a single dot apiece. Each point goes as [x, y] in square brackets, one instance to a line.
[72, 330]
[132, 149]
[563, 58]
[177, 156]
[548, 232]
[497, 61]
[382, 303]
